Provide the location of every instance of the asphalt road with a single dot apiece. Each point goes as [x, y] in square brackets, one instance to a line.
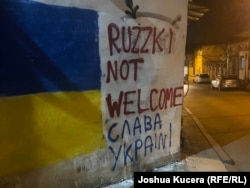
[225, 116]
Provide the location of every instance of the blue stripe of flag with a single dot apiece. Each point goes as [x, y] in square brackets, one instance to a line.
[47, 48]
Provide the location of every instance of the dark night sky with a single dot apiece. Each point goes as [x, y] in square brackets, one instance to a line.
[221, 23]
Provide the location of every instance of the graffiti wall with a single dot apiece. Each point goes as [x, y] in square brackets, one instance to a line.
[89, 90]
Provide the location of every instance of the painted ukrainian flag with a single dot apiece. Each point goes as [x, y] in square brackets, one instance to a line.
[49, 84]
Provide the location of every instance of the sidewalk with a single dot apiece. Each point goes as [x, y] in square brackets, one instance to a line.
[199, 152]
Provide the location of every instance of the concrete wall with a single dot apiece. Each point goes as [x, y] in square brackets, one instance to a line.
[89, 94]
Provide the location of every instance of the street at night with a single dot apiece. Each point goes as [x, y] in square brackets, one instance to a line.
[225, 117]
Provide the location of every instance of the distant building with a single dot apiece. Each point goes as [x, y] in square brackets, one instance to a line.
[229, 58]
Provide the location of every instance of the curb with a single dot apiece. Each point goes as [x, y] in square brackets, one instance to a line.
[224, 157]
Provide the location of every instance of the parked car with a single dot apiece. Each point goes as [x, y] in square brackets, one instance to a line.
[225, 82]
[202, 78]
